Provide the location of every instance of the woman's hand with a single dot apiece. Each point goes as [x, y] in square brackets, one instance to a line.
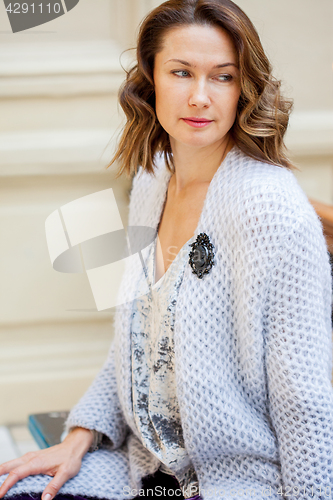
[62, 462]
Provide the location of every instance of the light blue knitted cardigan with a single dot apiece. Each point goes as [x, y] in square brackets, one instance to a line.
[253, 350]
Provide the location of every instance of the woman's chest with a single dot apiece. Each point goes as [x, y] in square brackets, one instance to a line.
[179, 220]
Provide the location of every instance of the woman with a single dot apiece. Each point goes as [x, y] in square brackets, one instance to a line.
[218, 382]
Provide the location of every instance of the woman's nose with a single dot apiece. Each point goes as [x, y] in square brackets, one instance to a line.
[199, 95]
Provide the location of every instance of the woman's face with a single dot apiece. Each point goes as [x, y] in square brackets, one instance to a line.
[197, 85]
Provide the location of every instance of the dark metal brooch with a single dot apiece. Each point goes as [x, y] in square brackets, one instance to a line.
[201, 256]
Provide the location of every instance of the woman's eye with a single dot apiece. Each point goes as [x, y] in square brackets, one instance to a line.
[180, 73]
[183, 74]
[224, 78]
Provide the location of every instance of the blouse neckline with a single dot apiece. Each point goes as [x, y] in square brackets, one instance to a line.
[173, 263]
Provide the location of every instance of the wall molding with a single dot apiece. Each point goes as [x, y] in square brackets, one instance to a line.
[310, 133]
[55, 152]
[62, 68]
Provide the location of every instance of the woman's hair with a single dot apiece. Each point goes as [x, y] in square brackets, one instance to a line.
[262, 112]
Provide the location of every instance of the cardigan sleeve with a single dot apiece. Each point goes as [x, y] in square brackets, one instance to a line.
[299, 359]
[99, 408]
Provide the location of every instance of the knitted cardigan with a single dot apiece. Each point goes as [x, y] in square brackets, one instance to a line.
[253, 349]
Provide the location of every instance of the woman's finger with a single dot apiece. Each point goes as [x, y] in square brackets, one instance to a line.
[12, 464]
[12, 478]
[34, 464]
[63, 475]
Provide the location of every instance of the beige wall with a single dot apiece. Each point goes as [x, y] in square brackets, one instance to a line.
[298, 39]
[58, 108]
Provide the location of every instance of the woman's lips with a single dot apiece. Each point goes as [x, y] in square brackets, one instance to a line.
[197, 122]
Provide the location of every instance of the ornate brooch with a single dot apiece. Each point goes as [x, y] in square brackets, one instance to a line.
[201, 256]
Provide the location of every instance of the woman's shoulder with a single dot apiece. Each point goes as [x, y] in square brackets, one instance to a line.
[252, 173]
[264, 204]
[265, 185]
[256, 193]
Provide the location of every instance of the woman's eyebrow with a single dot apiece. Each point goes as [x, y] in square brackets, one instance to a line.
[185, 63]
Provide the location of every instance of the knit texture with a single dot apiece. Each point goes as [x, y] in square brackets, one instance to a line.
[253, 349]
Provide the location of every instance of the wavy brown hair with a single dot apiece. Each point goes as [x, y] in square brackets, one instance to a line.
[262, 114]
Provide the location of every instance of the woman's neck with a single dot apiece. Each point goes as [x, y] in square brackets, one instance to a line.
[197, 165]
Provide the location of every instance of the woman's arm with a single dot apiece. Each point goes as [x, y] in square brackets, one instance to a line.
[99, 408]
[299, 360]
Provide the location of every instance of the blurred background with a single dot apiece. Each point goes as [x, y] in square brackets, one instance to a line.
[59, 121]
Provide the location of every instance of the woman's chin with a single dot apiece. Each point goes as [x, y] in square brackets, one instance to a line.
[195, 143]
